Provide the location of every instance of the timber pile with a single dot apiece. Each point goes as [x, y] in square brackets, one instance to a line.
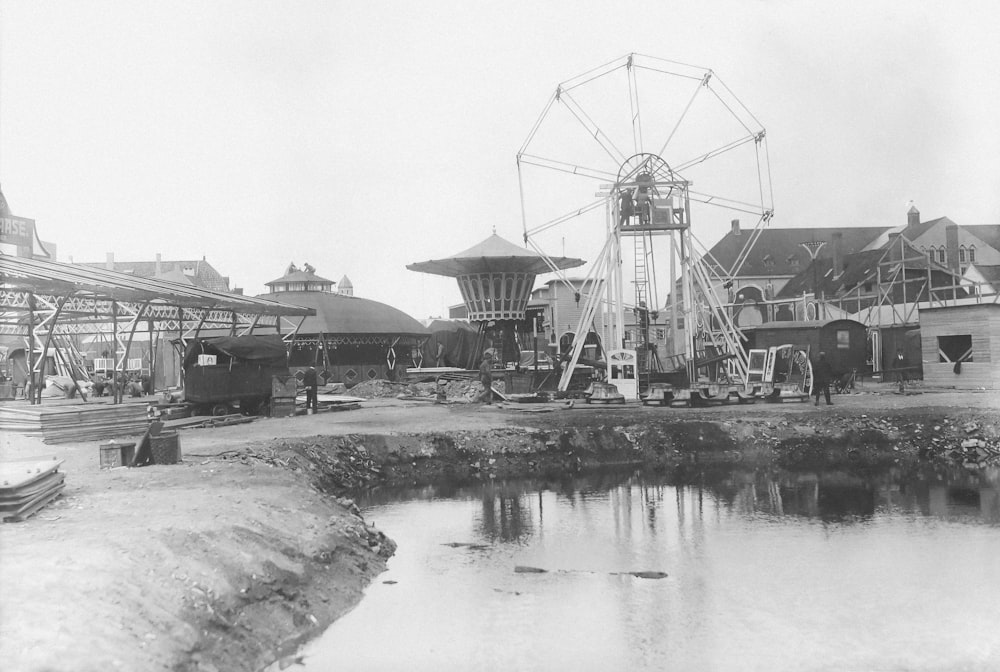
[26, 487]
[77, 422]
[206, 421]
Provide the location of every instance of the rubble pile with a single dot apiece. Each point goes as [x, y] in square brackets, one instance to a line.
[335, 466]
[377, 389]
[455, 391]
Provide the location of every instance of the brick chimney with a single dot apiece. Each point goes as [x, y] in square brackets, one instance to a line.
[735, 224]
[109, 261]
[951, 244]
[912, 216]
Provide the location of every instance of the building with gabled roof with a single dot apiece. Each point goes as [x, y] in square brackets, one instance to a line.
[778, 255]
[196, 272]
[982, 279]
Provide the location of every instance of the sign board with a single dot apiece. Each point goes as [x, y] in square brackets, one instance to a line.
[665, 215]
[623, 372]
[17, 230]
[20, 232]
[206, 360]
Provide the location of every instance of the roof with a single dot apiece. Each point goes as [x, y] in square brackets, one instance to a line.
[779, 252]
[449, 325]
[988, 233]
[83, 281]
[493, 255]
[855, 269]
[796, 324]
[295, 274]
[204, 274]
[343, 314]
[990, 274]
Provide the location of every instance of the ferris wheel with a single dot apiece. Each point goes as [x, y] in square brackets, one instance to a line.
[658, 154]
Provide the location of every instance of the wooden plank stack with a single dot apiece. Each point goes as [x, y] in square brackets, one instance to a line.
[26, 487]
[75, 422]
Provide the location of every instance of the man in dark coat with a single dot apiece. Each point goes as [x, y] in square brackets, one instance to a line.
[822, 375]
[311, 384]
[486, 378]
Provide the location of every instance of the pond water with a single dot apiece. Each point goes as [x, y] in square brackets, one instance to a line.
[765, 571]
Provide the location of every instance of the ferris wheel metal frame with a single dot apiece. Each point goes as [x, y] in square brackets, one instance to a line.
[665, 210]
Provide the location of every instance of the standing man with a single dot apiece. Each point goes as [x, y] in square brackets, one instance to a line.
[900, 364]
[822, 374]
[486, 378]
[311, 382]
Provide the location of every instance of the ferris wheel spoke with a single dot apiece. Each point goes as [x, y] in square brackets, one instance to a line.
[701, 84]
[633, 101]
[715, 152]
[593, 129]
[538, 123]
[565, 218]
[592, 74]
[738, 103]
[565, 167]
[729, 203]
[661, 71]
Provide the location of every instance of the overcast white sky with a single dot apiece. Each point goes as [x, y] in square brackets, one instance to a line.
[363, 136]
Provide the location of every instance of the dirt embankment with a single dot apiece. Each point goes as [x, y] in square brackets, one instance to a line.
[229, 560]
[572, 442]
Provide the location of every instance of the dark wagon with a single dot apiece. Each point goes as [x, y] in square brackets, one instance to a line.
[223, 373]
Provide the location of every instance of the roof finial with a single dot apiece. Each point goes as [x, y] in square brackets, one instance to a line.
[494, 229]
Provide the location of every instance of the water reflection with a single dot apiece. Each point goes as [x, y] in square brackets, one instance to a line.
[766, 569]
[513, 511]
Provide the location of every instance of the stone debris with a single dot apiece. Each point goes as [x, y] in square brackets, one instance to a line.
[452, 391]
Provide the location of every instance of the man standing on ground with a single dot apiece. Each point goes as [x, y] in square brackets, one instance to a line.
[486, 378]
[311, 383]
[900, 364]
[822, 374]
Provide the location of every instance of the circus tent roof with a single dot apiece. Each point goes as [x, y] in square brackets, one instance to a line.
[342, 314]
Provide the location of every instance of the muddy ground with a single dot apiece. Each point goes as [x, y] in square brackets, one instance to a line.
[232, 558]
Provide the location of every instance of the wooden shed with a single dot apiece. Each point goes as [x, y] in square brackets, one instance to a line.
[845, 342]
[960, 346]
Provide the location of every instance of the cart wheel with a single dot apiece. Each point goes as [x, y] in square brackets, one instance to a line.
[220, 409]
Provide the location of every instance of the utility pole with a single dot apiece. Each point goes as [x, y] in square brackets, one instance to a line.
[813, 247]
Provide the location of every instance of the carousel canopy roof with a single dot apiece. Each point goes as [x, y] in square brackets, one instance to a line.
[493, 255]
[342, 314]
[21, 274]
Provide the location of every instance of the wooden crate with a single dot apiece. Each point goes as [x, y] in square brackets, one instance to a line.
[166, 448]
[117, 454]
[282, 408]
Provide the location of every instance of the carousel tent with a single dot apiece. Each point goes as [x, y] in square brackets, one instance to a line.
[348, 339]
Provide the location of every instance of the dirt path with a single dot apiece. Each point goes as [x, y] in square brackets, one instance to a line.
[227, 560]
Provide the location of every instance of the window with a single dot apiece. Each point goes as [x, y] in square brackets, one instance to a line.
[961, 254]
[941, 257]
[843, 339]
[955, 348]
[972, 254]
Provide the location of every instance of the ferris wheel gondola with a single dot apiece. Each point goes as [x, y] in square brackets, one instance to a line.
[647, 150]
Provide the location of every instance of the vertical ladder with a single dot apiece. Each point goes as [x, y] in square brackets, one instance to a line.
[641, 250]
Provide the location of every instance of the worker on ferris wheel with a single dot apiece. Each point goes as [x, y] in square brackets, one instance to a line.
[643, 197]
[625, 207]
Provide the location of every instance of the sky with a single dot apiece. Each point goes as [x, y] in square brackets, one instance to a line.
[360, 137]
